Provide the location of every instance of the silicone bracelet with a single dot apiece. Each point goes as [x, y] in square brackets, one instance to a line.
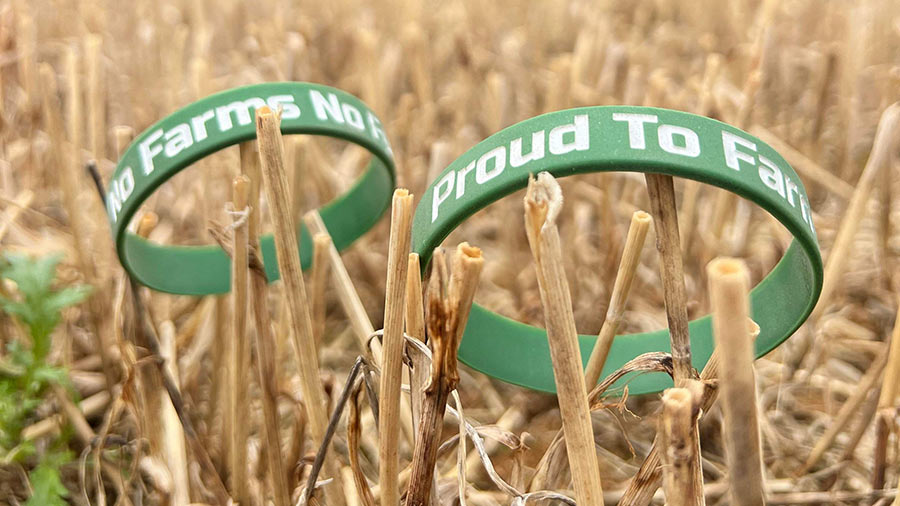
[222, 120]
[635, 139]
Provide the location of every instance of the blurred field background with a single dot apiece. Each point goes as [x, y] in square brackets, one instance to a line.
[811, 77]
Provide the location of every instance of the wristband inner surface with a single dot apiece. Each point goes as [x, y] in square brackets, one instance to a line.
[225, 119]
[175, 269]
[632, 139]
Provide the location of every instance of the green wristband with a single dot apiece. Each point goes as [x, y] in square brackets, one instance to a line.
[634, 139]
[222, 120]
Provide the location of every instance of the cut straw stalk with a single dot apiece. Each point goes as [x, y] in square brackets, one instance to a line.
[217, 420]
[415, 322]
[662, 204]
[419, 374]
[317, 280]
[682, 475]
[271, 156]
[250, 167]
[725, 200]
[415, 309]
[122, 136]
[728, 290]
[26, 43]
[149, 380]
[74, 112]
[885, 139]
[897, 497]
[448, 311]
[238, 344]
[415, 328]
[68, 166]
[691, 187]
[631, 257]
[848, 409]
[89, 407]
[267, 373]
[349, 298]
[543, 201]
[642, 487]
[173, 451]
[356, 313]
[807, 168]
[868, 410]
[883, 422]
[392, 367]
[96, 103]
[267, 376]
[886, 406]
[245, 203]
[80, 426]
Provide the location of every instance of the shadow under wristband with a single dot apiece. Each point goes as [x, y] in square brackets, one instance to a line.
[634, 139]
[223, 120]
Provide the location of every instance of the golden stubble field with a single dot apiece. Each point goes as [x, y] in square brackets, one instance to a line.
[94, 422]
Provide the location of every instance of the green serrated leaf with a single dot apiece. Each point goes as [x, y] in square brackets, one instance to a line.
[26, 375]
[39, 306]
[57, 301]
[19, 354]
[47, 374]
[33, 276]
[47, 485]
[20, 310]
